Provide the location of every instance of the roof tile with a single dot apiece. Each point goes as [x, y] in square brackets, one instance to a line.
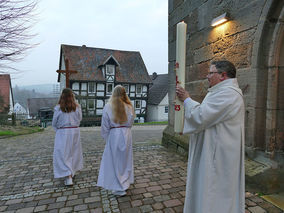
[159, 89]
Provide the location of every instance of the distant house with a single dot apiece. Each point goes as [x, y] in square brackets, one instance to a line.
[35, 104]
[6, 94]
[99, 71]
[20, 111]
[158, 105]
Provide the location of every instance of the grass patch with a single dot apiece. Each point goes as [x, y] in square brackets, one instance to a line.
[153, 123]
[8, 131]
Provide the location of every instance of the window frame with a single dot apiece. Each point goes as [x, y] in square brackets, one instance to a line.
[137, 101]
[140, 85]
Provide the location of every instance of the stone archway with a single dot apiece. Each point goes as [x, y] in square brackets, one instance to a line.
[275, 89]
[268, 61]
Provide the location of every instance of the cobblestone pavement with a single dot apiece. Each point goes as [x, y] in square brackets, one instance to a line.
[27, 183]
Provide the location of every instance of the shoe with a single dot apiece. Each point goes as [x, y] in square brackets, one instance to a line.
[68, 181]
[119, 193]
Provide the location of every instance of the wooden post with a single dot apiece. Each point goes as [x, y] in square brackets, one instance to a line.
[67, 72]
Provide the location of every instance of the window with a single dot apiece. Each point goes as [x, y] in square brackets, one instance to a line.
[132, 88]
[126, 87]
[101, 87]
[83, 103]
[137, 104]
[84, 86]
[83, 91]
[144, 88]
[92, 87]
[75, 86]
[100, 103]
[110, 69]
[91, 104]
[166, 109]
[138, 88]
[109, 88]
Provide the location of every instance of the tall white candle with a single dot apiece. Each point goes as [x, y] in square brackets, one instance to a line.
[180, 74]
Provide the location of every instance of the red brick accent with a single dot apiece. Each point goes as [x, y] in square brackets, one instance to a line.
[5, 90]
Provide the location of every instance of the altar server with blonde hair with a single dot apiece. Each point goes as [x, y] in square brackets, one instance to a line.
[116, 169]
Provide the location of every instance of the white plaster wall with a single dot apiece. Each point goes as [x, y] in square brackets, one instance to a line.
[152, 113]
[11, 103]
[157, 112]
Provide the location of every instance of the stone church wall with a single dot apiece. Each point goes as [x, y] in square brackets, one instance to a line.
[244, 40]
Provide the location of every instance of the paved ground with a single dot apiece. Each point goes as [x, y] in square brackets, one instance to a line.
[27, 184]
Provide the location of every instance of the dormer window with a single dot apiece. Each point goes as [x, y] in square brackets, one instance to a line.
[110, 69]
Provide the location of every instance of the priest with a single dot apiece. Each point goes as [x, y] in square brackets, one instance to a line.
[215, 176]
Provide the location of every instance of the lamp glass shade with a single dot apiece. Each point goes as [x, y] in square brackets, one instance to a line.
[219, 20]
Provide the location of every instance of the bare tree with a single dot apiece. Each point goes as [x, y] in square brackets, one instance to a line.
[16, 21]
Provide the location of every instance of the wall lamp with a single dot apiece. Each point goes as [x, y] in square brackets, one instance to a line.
[220, 20]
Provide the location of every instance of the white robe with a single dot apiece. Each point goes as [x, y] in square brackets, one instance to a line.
[67, 155]
[215, 176]
[116, 169]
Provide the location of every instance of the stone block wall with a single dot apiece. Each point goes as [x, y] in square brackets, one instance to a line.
[244, 40]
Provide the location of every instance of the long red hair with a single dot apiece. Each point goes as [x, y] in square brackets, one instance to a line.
[67, 101]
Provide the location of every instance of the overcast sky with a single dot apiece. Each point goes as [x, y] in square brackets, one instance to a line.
[133, 25]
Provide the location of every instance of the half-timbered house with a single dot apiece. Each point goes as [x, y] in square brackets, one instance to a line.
[96, 71]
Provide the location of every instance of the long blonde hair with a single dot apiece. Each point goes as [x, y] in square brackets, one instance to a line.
[67, 101]
[118, 100]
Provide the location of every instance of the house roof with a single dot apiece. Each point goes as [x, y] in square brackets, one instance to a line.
[159, 89]
[88, 61]
[34, 104]
[5, 89]
[18, 108]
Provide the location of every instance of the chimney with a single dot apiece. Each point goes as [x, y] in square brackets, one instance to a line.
[154, 76]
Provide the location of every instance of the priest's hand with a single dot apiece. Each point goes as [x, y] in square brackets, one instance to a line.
[182, 94]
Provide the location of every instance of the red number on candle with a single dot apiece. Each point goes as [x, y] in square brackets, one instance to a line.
[177, 81]
[177, 107]
[177, 65]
